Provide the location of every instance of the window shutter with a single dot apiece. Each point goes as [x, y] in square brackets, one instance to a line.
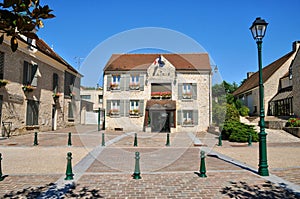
[195, 117]
[194, 91]
[142, 82]
[55, 83]
[34, 75]
[141, 107]
[180, 91]
[25, 73]
[108, 106]
[108, 82]
[127, 81]
[179, 117]
[122, 111]
[127, 108]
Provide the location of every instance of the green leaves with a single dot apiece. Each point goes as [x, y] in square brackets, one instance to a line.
[21, 17]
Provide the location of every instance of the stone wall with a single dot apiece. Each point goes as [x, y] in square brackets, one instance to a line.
[14, 104]
[296, 83]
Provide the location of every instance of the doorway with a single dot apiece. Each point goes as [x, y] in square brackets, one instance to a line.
[54, 118]
[160, 121]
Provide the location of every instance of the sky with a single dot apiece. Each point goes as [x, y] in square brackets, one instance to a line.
[82, 31]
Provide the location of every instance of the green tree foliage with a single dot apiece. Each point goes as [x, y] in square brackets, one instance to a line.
[21, 17]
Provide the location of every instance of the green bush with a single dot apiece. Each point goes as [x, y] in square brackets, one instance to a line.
[244, 111]
[232, 114]
[235, 131]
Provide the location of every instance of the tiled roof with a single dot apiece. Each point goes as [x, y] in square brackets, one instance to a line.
[267, 72]
[125, 62]
[45, 48]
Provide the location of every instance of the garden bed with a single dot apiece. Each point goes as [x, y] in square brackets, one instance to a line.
[293, 130]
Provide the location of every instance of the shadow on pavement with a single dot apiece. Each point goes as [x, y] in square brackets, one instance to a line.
[52, 191]
[266, 190]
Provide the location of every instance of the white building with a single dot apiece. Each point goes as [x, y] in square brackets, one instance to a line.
[158, 92]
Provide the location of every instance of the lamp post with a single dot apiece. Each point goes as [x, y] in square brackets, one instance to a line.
[258, 30]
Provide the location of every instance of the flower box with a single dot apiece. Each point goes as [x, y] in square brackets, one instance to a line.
[114, 112]
[56, 95]
[28, 88]
[3, 82]
[188, 122]
[163, 95]
[134, 112]
[134, 86]
[187, 95]
[114, 86]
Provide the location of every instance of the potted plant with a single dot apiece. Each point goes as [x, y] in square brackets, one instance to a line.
[187, 95]
[114, 86]
[166, 95]
[114, 112]
[134, 86]
[188, 122]
[56, 95]
[134, 112]
[28, 88]
[3, 82]
[155, 95]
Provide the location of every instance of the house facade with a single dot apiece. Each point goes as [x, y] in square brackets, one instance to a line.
[157, 92]
[39, 90]
[296, 82]
[278, 86]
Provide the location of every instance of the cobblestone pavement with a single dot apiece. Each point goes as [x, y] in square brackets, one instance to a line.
[166, 172]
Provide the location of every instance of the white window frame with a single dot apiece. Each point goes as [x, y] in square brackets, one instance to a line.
[187, 91]
[115, 107]
[134, 82]
[134, 108]
[187, 117]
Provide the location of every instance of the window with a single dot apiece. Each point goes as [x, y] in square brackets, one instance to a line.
[30, 74]
[1, 65]
[100, 99]
[134, 83]
[187, 118]
[69, 84]
[115, 107]
[115, 82]
[186, 91]
[32, 114]
[134, 107]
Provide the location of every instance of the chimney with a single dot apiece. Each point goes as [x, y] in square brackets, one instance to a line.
[296, 45]
[249, 74]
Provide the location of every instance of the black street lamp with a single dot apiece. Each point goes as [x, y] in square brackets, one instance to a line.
[258, 30]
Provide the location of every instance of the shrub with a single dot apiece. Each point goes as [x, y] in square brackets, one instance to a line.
[232, 113]
[235, 131]
[293, 122]
[244, 111]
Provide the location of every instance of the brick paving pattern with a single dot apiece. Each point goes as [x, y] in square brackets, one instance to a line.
[167, 172]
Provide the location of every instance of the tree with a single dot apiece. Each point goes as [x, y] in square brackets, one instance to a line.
[22, 17]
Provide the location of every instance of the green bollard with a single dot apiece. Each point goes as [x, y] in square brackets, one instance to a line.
[69, 173]
[103, 140]
[69, 139]
[35, 141]
[137, 174]
[250, 140]
[202, 165]
[220, 140]
[168, 139]
[1, 177]
[135, 140]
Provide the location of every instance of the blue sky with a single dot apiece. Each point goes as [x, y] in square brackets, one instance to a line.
[220, 27]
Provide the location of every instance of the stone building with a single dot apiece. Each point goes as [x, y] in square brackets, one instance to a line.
[158, 92]
[39, 90]
[296, 82]
[278, 86]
